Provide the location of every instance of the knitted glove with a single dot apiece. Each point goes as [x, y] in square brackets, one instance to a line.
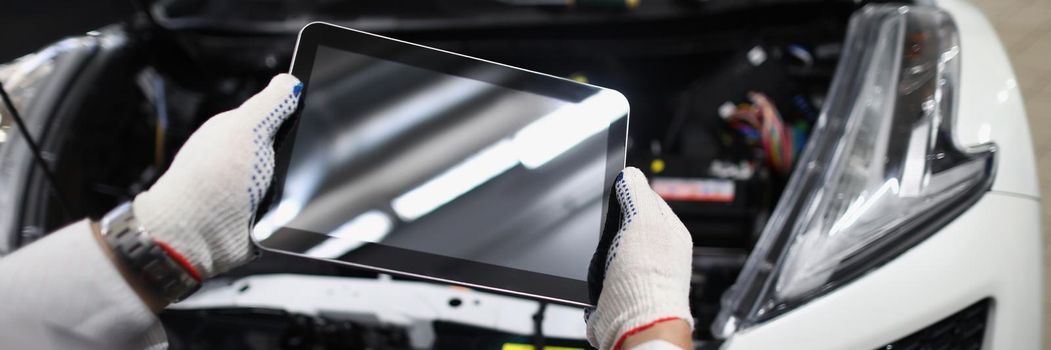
[203, 206]
[640, 274]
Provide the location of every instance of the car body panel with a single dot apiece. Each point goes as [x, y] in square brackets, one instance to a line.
[398, 302]
[990, 106]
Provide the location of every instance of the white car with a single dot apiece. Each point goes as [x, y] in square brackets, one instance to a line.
[910, 220]
[965, 269]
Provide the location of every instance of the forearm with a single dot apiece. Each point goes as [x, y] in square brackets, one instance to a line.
[64, 292]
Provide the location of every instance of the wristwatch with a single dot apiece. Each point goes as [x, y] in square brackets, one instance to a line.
[157, 264]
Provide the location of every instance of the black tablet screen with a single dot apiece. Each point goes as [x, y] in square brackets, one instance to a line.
[417, 159]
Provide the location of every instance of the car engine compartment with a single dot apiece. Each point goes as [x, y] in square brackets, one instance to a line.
[723, 95]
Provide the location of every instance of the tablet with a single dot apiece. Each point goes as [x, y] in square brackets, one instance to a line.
[424, 163]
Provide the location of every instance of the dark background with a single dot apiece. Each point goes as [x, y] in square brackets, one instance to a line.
[28, 25]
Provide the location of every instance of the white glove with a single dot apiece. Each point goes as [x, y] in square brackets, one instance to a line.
[646, 269]
[204, 204]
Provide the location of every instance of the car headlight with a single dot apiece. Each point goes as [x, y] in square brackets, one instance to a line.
[881, 172]
[26, 76]
[22, 79]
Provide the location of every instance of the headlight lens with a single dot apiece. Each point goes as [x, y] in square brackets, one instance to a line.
[881, 173]
[24, 77]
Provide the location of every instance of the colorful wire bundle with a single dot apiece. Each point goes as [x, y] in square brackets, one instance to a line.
[761, 120]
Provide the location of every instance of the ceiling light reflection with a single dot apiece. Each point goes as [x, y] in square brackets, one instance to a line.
[394, 121]
[371, 226]
[286, 210]
[535, 145]
[564, 128]
[453, 183]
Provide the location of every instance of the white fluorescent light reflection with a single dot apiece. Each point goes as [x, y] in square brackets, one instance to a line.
[535, 145]
[413, 110]
[557, 132]
[286, 210]
[371, 226]
[453, 183]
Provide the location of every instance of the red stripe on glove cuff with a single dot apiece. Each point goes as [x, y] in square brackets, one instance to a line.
[179, 259]
[636, 330]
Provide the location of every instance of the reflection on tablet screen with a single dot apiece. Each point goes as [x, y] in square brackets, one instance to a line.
[417, 159]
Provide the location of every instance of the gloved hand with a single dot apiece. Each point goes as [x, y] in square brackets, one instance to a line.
[204, 204]
[641, 273]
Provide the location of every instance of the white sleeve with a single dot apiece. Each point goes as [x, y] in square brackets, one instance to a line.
[63, 292]
[656, 345]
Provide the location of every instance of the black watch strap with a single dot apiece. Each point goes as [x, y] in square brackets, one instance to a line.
[137, 249]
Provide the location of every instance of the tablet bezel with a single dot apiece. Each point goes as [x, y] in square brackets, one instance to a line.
[416, 264]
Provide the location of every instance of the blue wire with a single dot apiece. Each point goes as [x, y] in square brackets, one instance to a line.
[805, 107]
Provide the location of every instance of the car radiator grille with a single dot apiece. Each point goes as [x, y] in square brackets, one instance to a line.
[963, 330]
